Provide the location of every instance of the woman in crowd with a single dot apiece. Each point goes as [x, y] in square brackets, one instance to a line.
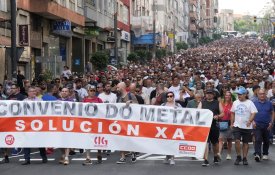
[225, 130]
[170, 159]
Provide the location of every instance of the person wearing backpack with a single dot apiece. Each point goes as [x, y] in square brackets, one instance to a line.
[125, 97]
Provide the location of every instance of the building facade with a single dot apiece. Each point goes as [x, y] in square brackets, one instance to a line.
[171, 22]
[55, 30]
[226, 18]
[5, 35]
[124, 27]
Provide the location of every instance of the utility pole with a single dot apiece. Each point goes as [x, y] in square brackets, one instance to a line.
[154, 30]
[13, 42]
[115, 35]
[174, 37]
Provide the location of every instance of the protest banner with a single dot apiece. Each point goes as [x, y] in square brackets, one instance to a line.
[139, 128]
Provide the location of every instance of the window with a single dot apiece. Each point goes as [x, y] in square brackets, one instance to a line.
[72, 5]
[36, 22]
[92, 2]
[3, 6]
[80, 3]
[62, 3]
[125, 15]
[120, 10]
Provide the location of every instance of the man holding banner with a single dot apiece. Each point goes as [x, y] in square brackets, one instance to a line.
[125, 97]
[32, 97]
[213, 138]
[65, 96]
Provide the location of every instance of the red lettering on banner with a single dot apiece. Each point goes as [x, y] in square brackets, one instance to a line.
[187, 148]
[100, 142]
[104, 126]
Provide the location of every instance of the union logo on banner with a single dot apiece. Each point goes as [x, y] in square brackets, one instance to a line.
[100, 142]
[9, 139]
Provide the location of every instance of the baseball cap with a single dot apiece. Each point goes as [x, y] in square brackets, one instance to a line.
[241, 90]
[91, 87]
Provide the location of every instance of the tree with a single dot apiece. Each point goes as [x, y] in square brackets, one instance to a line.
[217, 36]
[269, 39]
[245, 25]
[160, 53]
[133, 57]
[205, 40]
[100, 60]
[181, 45]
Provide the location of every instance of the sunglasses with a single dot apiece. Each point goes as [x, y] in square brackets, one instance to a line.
[170, 96]
[138, 91]
[91, 90]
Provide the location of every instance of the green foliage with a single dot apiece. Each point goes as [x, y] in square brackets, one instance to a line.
[140, 56]
[133, 57]
[47, 75]
[205, 40]
[160, 53]
[245, 25]
[217, 36]
[181, 45]
[100, 60]
[269, 39]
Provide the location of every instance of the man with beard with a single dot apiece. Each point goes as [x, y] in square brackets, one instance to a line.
[107, 96]
[217, 109]
[125, 97]
[136, 89]
[82, 93]
[15, 93]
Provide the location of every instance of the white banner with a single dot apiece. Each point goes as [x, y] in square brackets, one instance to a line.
[139, 128]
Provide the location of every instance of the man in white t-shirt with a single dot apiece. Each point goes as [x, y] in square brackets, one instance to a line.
[243, 112]
[107, 96]
[147, 89]
[82, 92]
[66, 72]
[175, 88]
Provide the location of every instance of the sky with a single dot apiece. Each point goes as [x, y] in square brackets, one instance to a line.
[250, 7]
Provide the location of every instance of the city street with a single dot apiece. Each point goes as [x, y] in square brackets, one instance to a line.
[146, 164]
[157, 77]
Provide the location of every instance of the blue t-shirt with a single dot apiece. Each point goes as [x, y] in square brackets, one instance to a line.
[264, 115]
[48, 97]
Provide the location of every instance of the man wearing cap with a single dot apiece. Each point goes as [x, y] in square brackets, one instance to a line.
[216, 107]
[243, 112]
[262, 124]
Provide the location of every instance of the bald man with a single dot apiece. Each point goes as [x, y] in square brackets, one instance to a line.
[125, 97]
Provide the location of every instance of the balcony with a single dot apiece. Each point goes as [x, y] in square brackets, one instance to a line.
[193, 28]
[52, 10]
[102, 19]
[193, 15]
[193, 2]
[4, 16]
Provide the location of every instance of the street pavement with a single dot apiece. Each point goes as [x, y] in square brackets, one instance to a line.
[146, 165]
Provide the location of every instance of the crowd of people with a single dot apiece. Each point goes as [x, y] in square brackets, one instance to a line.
[234, 78]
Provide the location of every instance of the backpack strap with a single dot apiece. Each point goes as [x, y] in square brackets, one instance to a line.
[129, 96]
